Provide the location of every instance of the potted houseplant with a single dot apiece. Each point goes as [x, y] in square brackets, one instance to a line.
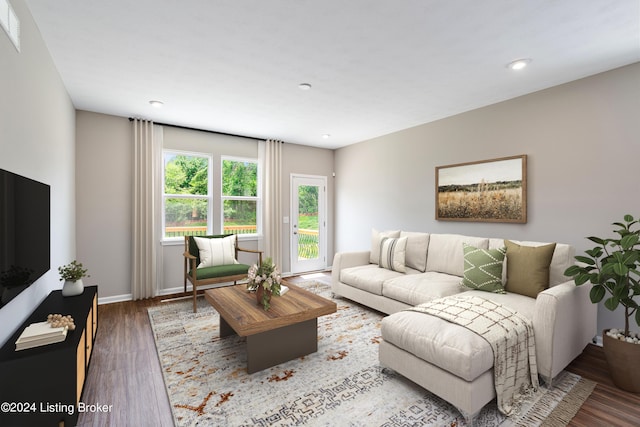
[72, 275]
[613, 267]
[265, 280]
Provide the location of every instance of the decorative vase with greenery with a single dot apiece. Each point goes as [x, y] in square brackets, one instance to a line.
[72, 275]
[265, 280]
[613, 267]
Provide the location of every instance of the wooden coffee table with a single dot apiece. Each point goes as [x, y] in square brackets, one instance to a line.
[287, 331]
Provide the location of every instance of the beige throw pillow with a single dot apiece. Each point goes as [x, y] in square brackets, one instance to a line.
[528, 268]
[417, 245]
[374, 257]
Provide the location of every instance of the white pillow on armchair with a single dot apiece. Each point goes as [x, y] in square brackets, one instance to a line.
[216, 251]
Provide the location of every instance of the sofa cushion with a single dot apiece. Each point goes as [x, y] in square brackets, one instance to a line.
[528, 268]
[367, 277]
[374, 257]
[414, 289]
[392, 253]
[451, 347]
[417, 245]
[221, 271]
[445, 252]
[563, 258]
[216, 251]
[522, 304]
[483, 268]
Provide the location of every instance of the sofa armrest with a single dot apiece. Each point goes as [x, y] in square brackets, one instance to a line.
[564, 321]
[343, 260]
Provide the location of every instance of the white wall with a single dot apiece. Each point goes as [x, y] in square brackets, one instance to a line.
[583, 144]
[104, 176]
[37, 140]
[299, 159]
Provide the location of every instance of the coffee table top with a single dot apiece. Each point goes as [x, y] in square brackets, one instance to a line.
[240, 310]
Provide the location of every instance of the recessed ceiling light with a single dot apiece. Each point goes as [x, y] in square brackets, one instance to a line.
[304, 86]
[326, 136]
[156, 104]
[519, 64]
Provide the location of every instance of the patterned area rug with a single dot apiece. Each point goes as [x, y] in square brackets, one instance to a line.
[342, 384]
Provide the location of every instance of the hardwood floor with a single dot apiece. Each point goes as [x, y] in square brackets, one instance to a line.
[125, 372]
[607, 405]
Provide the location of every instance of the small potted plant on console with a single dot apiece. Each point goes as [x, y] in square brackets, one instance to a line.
[72, 275]
[613, 267]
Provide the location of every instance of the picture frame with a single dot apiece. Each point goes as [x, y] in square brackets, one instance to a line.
[492, 190]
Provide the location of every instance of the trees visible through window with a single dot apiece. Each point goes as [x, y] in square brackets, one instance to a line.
[240, 196]
[187, 198]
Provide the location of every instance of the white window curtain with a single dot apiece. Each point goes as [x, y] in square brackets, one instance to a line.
[273, 200]
[147, 159]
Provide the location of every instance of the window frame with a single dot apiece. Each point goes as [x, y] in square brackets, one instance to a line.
[257, 198]
[208, 197]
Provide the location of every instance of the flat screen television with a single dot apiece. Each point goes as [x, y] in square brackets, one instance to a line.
[25, 233]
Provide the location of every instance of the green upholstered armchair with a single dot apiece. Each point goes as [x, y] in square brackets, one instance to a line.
[225, 267]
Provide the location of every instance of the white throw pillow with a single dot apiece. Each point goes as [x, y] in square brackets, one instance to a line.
[417, 245]
[392, 253]
[376, 235]
[216, 251]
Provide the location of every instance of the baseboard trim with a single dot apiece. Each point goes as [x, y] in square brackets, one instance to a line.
[129, 297]
[115, 298]
[597, 340]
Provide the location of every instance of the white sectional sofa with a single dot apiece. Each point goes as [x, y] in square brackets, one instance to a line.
[450, 360]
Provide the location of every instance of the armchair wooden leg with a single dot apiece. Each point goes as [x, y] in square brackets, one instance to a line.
[195, 290]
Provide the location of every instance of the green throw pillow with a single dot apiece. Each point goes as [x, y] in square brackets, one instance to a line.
[483, 268]
[528, 268]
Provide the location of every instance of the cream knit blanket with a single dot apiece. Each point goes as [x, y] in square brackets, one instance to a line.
[510, 336]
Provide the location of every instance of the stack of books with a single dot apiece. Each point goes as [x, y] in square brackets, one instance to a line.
[41, 333]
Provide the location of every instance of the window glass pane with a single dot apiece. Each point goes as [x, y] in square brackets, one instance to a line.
[239, 178]
[185, 217]
[308, 229]
[185, 174]
[240, 216]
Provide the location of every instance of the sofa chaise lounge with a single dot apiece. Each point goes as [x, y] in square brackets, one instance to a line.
[450, 360]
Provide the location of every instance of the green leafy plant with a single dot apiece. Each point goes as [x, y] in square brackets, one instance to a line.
[613, 266]
[267, 276]
[73, 271]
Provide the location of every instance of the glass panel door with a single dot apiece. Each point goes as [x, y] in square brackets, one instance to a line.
[308, 225]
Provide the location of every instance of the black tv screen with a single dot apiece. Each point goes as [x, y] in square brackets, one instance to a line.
[25, 230]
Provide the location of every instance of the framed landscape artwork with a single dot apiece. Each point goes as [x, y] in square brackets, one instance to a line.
[488, 191]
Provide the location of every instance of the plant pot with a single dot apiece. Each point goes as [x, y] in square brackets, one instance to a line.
[72, 288]
[622, 360]
[260, 294]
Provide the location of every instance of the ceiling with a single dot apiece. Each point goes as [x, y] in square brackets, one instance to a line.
[375, 66]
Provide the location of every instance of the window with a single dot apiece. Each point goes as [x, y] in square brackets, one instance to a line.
[240, 196]
[187, 194]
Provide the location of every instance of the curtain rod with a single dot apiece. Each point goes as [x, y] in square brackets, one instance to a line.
[202, 130]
